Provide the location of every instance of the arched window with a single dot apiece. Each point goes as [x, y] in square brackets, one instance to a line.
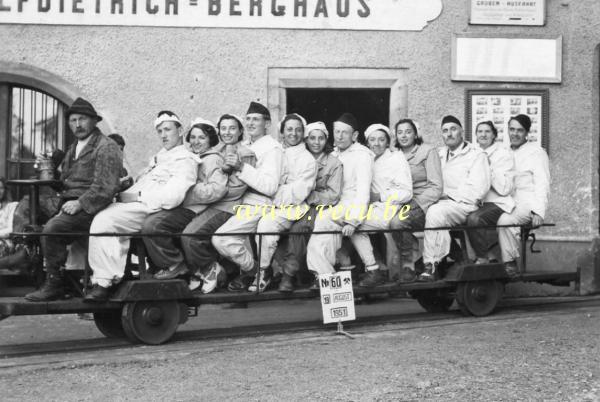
[31, 122]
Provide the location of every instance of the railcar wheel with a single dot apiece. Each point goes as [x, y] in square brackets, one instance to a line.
[150, 322]
[434, 302]
[109, 323]
[478, 298]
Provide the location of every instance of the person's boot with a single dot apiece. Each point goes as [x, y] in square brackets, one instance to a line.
[97, 294]
[511, 269]
[373, 278]
[287, 284]
[172, 272]
[261, 281]
[242, 281]
[430, 274]
[216, 277]
[52, 289]
[407, 275]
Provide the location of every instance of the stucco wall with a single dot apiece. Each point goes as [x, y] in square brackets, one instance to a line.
[130, 73]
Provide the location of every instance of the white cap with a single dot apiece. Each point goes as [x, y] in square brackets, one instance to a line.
[302, 119]
[200, 120]
[376, 127]
[166, 116]
[318, 125]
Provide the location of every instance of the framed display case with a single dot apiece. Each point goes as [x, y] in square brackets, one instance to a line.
[498, 105]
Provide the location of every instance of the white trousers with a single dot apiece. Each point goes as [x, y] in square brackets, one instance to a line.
[362, 242]
[321, 248]
[77, 256]
[509, 238]
[436, 243]
[107, 255]
[238, 249]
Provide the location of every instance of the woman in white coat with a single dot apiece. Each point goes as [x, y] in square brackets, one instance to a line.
[498, 199]
[391, 188]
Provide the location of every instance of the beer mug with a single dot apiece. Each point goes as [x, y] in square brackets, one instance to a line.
[229, 150]
[45, 166]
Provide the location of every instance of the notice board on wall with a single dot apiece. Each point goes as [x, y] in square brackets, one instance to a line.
[508, 58]
[508, 12]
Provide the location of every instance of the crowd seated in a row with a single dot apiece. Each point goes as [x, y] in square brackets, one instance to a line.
[208, 180]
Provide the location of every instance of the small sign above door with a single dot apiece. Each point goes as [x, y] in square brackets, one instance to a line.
[508, 12]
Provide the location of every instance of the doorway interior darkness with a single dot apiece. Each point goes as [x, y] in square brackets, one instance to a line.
[368, 105]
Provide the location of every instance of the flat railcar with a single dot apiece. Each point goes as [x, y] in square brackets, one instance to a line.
[146, 310]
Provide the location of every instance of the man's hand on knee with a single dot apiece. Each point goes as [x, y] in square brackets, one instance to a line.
[72, 207]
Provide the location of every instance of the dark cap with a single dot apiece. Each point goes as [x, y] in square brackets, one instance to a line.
[81, 106]
[256, 107]
[349, 119]
[523, 120]
[450, 119]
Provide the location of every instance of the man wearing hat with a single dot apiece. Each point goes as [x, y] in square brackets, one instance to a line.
[466, 176]
[298, 180]
[532, 186]
[162, 185]
[262, 181]
[352, 209]
[90, 179]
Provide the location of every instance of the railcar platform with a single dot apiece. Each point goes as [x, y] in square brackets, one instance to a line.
[152, 290]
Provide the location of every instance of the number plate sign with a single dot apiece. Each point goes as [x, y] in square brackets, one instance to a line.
[337, 297]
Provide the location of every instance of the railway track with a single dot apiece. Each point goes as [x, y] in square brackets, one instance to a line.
[92, 351]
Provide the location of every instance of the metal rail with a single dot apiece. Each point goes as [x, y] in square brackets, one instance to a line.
[524, 229]
[373, 231]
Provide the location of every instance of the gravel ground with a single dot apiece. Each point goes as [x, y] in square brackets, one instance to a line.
[549, 356]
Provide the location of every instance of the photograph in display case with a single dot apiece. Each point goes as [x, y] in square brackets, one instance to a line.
[498, 105]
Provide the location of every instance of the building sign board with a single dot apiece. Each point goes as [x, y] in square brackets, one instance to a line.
[337, 297]
[508, 12]
[384, 15]
[525, 59]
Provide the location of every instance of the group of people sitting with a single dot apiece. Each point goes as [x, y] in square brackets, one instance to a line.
[215, 188]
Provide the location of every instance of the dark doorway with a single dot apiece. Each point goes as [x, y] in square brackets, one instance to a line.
[327, 104]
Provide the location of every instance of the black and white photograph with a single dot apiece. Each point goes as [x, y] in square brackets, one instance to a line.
[299, 200]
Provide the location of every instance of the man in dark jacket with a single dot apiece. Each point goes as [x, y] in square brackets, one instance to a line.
[90, 179]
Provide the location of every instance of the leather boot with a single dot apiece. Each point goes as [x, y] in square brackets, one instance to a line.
[287, 284]
[373, 278]
[52, 289]
[97, 294]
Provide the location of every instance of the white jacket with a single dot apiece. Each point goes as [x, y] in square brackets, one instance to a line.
[164, 183]
[391, 178]
[502, 165]
[466, 173]
[357, 162]
[264, 178]
[299, 176]
[532, 178]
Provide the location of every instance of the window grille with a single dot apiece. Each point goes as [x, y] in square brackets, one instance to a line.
[36, 125]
